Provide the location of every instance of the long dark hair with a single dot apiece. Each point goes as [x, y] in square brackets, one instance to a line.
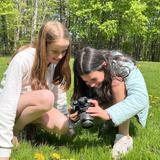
[89, 59]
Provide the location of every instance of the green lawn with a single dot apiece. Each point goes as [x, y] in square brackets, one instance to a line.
[87, 145]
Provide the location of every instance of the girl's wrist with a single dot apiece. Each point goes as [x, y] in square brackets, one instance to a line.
[108, 116]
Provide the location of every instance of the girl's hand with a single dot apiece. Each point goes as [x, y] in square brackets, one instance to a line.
[73, 116]
[97, 111]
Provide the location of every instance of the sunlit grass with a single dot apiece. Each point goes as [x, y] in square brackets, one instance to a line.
[87, 145]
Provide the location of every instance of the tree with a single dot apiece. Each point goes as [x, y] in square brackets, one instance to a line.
[34, 21]
[7, 14]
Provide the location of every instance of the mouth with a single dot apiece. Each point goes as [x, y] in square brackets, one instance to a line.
[55, 60]
[99, 85]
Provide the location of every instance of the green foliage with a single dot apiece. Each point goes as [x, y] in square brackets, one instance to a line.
[7, 7]
[126, 25]
[135, 18]
[109, 27]
[132, 26]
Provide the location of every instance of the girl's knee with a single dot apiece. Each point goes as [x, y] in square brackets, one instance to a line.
[57, 124]
[57, 129]
[46, 100]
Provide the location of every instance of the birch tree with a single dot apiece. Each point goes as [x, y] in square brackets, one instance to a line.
[34, 20]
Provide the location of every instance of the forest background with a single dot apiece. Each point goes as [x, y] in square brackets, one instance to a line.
[131, 26]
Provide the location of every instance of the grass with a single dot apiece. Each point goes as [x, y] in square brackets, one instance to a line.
[87, 145]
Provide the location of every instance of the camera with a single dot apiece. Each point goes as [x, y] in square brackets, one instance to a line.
[81, 105]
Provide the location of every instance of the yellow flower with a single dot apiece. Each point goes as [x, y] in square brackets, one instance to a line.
[55, 156]
[157, 98]
[39, 156]
[138, 65]
[153, 102]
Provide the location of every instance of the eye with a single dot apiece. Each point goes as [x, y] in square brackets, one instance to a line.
[93, 79]
[54, 52]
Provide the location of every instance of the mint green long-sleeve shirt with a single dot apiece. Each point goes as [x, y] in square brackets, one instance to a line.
[136, 101]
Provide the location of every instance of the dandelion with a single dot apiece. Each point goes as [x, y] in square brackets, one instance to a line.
[153, 102]
[55, 156]
[138, 65]
[39, 156]
[156, 98]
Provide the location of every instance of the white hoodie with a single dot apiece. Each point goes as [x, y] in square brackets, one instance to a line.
[16, 81]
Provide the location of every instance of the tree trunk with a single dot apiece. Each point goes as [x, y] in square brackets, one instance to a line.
[17, 29]
[137, 47]
[4, 34]
[34, 21]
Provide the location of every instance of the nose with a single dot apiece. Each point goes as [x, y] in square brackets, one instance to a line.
[92, 85]
[60, 56]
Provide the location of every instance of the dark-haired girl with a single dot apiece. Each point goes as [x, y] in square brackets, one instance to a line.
[112, 79]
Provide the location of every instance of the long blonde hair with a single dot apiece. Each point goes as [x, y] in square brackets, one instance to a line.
[49, 33]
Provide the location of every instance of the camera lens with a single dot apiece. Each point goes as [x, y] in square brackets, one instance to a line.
[87, 124]
[86, 120]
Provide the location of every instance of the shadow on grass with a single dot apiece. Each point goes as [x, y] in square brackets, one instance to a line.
[84, 137]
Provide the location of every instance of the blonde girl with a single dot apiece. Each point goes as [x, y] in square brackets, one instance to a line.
[33, 89]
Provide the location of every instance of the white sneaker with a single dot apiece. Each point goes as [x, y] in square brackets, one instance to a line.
[122, 145]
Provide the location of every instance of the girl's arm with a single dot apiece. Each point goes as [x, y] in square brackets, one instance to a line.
[10, 92]
[60, 100]
[136, 101]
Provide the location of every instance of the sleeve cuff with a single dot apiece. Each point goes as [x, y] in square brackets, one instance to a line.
[5, 152]
[115, 122]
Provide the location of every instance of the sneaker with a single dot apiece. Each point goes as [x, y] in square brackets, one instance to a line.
[122, 145]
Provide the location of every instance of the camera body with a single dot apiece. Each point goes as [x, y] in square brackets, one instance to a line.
[81, 105]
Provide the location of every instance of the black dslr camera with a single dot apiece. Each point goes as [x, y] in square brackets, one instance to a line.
[81, 105]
